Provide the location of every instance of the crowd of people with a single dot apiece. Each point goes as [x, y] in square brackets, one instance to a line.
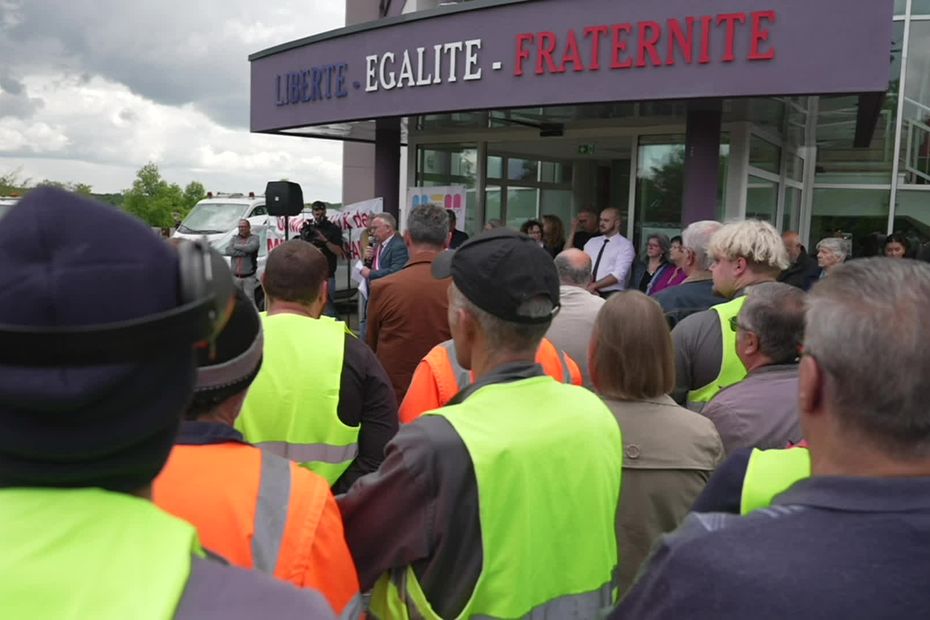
[539, 425]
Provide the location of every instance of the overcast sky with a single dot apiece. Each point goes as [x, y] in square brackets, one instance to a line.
[91, 90]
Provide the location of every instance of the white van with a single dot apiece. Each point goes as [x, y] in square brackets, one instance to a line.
[214, 217]
[208, 215]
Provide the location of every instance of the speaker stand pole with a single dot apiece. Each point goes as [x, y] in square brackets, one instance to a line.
[287, 228]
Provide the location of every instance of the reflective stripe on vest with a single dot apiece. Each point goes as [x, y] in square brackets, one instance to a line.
[291, 408]
[90, 553]
[274, 498]
[770, 473]
[732, 369]
[260, 511]
[522, 525]
[463, 378]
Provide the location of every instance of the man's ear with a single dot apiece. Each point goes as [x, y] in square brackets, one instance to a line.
[811, 382]
[467, 323]
[407, 240]
[324, 291]
[740, 265]
[448, 241]
[750, 343]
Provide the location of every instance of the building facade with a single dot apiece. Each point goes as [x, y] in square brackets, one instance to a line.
[748, 108]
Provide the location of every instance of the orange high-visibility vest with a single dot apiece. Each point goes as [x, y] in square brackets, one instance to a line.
[260, 511]
[439, 377]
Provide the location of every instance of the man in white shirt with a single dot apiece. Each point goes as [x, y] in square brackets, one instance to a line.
[612, 255]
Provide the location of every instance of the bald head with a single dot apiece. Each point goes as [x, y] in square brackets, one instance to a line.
[574, 267]
[792, 241]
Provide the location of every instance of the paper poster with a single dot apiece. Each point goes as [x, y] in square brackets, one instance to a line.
[449, 197]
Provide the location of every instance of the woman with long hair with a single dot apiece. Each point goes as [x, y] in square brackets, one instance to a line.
[658, 269]
[669, 451]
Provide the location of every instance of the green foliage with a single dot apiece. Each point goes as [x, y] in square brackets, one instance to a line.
[193, 193]
[158, 202]
[11, 183]
[151, 198]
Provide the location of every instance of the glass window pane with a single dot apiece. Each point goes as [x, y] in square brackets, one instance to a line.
[521, 206]
[761, 199]
[522, 169]
[789, 219]
[555, 172]
[858, 214]
[920, 7]
[660, 184]
[454, 164]
[915, 142]
[495, 166]
[795, 169]
[900, 7]
[838, 160]
[764, 155]
[492, 204]
[912, 215]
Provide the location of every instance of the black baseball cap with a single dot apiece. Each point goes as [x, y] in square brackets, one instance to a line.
[500, 269]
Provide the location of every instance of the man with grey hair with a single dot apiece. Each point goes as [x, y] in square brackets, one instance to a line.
[572, 327]
[742, 253]
[387, 256]
[407, 309]
[390, 254]
[761, 411]
[831, 252]
[453, 492]
[696, 292]
[846, 535]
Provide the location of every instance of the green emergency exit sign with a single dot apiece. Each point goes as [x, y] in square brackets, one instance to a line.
[586, 149]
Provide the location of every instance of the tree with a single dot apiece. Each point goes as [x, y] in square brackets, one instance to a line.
[193, 193]
[11, 183]
[156, 201]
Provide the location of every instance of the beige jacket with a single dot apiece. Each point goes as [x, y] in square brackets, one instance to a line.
[669, 453]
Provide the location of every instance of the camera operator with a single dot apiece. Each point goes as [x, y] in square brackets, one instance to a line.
[327, 237]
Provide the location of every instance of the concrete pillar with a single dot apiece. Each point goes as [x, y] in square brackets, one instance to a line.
[702, 160]
[387, 163]
[358, 172]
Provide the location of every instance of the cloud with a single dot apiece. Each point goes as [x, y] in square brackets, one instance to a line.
[173, 52]
[104, 123]
[92, 90]
[13, 98]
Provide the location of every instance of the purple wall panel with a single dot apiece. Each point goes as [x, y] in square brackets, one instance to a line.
[821, 47]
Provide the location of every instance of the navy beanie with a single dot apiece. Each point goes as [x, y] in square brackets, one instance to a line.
[71, 261]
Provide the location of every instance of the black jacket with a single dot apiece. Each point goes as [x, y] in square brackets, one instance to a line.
[802, 273]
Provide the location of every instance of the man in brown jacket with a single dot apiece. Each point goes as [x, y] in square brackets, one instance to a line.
[407, 310]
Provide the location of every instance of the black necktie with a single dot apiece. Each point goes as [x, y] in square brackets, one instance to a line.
[597, 262]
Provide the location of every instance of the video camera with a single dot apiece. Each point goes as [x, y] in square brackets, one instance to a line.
[308, 232]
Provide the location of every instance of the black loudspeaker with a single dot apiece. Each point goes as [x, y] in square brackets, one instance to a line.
[283, 198]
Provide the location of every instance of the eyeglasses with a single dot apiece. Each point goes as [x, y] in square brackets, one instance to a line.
[735, 324]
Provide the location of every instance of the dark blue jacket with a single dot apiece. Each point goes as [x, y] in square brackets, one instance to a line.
[392, 259]
[828, 547]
